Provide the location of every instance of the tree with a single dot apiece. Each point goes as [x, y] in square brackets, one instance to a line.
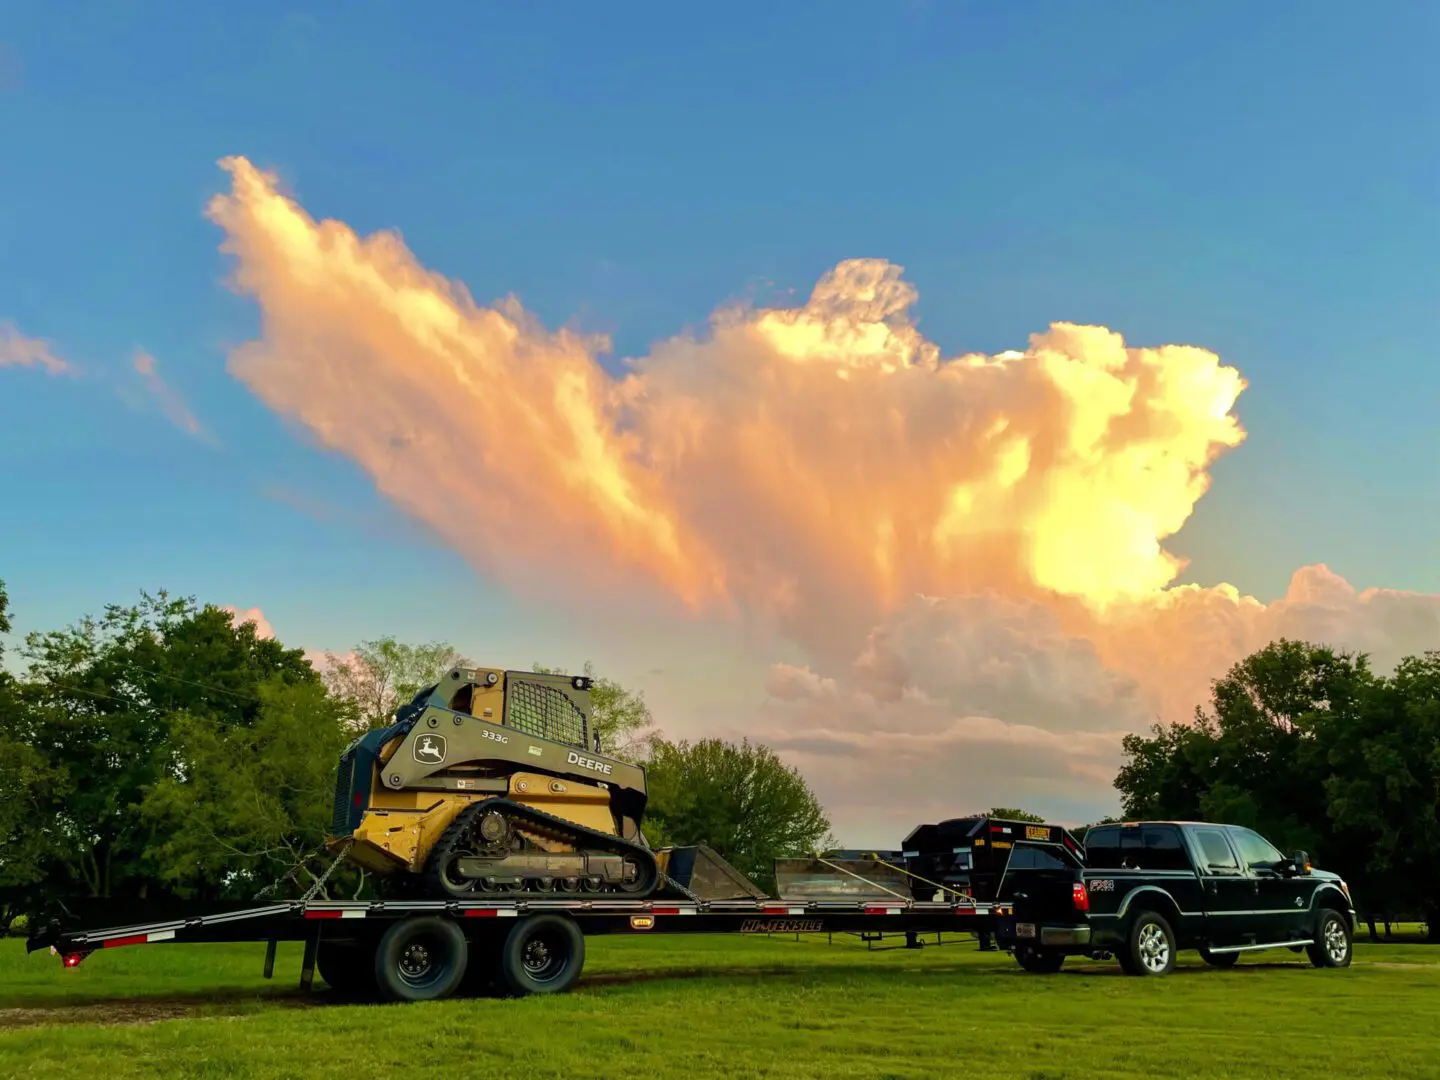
[1383, 791]
[741, 800]
[380, 676]
[1012, 814]
[250, 805]
[620, 716]
[101, 703]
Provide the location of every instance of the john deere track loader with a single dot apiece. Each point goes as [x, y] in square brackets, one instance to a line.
[492, 782]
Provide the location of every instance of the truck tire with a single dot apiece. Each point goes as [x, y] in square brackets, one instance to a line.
[1039, 961]
[542, 954]
[348, 968]
[1332, 940]
[1220, 959]
[421, 959]
[1149, 947]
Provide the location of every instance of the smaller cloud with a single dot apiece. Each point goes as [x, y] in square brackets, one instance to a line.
[171, 404]
[17, 350]
[263, 629]
[320, 659]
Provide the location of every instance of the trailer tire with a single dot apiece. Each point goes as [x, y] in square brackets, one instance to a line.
[421, 959]
[542, 954]
[348, 968]
[1149, 947]
[1039, 961]
[1332, 947]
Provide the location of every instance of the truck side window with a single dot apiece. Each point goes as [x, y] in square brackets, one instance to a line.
[1258, 853]
[1162, 848]
[1219, 859]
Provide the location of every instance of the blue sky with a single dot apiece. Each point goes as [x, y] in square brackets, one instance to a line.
[1256, 179]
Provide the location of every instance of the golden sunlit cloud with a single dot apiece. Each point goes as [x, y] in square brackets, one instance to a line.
[959, 542]
[17, 350]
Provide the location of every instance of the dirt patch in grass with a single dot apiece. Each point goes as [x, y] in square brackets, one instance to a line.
[151, 1010]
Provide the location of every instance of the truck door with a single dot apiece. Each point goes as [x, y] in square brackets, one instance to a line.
[1229, 893]
[1282, 904]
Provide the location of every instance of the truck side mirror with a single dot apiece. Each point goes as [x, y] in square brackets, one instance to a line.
[1299, 863]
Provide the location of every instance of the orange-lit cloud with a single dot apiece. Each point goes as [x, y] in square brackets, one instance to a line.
[263, 629]
[319, 659]
[17, 350]
[970, 548]
[171, 405]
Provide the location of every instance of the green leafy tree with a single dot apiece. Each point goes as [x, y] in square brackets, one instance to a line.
[102, 700]
[741, 800]
[249, 806]
[380, 676]
[1383, 791]
[620, 716]
[1010, 813]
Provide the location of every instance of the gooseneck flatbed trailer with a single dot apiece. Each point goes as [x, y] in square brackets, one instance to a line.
[421, 950]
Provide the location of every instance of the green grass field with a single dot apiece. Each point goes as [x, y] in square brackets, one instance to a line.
[731, 1007]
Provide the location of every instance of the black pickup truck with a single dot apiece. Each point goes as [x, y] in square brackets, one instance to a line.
[1147, 889]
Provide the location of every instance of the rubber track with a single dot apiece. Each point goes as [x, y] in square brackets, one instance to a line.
[519, 814]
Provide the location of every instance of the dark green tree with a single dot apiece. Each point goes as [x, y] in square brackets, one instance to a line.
[621, 716]
[102, 703]
[742, 800]
[380, 676]
[1010, 813]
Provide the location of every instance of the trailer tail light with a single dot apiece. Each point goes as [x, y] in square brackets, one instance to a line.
[73, 959]
[1079, 897]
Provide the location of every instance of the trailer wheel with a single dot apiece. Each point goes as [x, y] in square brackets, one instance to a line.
[1332, 940]
[348, 968]
[1150, 947]
[542, 954]
[420, 959]
[1039, 961]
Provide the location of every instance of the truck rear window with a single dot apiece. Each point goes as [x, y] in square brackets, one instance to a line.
[1142, 847]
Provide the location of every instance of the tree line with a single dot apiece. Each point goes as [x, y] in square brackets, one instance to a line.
[1316, 751]
[162, 751]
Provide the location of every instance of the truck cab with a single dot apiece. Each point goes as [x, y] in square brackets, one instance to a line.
[1150, 888]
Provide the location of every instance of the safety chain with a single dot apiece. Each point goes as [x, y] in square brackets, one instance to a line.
[320, 882]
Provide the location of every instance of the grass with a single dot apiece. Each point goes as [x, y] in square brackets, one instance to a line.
[731, 1007]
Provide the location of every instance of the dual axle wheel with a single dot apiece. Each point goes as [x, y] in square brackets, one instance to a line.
[429, 957]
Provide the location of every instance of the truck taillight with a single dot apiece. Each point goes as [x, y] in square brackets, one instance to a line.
[1079, 896]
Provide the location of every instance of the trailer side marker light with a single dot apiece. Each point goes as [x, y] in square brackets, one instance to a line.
[642, 922]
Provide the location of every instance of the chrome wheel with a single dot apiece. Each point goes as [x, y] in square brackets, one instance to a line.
[1337, 947]
[1154, 948]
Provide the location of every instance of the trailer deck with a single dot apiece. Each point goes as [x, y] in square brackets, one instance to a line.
[528, 945]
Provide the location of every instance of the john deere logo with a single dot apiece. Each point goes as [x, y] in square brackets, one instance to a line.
[430, 749]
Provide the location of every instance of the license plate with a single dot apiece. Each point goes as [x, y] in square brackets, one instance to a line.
[1025, 929]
